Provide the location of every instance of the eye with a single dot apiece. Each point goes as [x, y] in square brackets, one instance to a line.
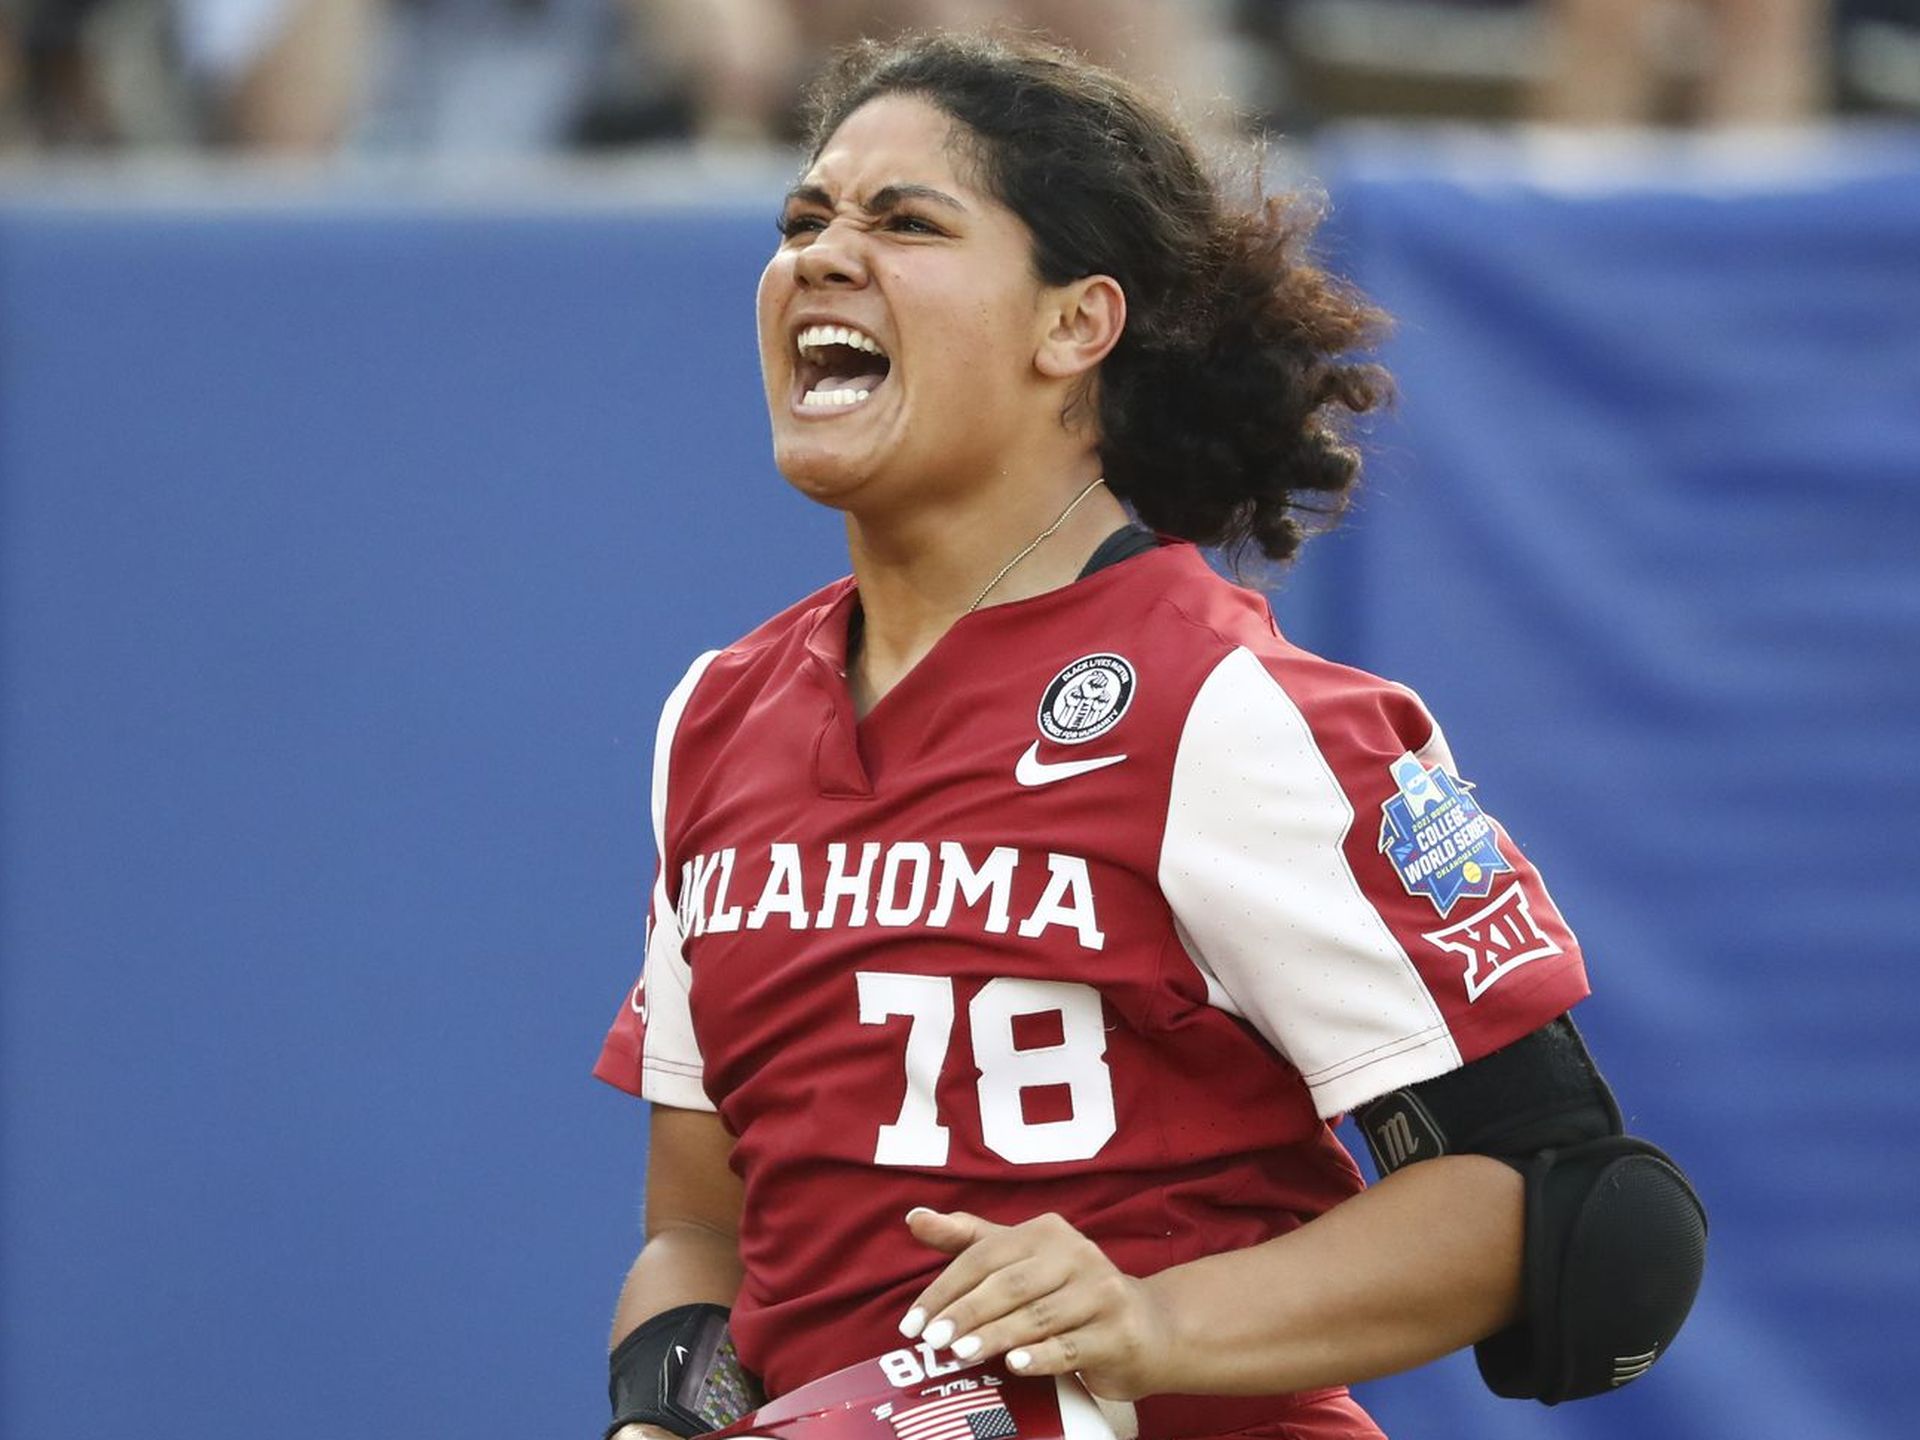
[913, 225]
[799, 223]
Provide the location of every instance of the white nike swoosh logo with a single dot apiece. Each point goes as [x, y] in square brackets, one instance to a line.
[1032, 770]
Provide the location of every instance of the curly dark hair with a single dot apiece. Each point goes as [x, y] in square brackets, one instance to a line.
[1223, 411]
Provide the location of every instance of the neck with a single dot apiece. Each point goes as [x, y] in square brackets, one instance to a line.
[919, 573]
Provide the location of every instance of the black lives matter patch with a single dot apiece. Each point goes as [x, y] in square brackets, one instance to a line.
[1087, 699]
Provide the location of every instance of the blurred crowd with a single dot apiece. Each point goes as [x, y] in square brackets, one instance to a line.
[345, 77]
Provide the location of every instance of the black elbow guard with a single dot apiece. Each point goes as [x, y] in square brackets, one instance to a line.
[1615, 1246]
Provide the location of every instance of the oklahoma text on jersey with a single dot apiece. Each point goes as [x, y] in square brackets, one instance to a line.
[890, 886]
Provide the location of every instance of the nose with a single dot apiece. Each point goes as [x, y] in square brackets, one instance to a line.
[834, 258]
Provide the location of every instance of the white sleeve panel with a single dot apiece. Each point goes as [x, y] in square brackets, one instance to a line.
[1254, 868]
[671, 1067]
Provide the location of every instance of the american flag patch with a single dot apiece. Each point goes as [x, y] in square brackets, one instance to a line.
[971, 1415]
[995, 1424]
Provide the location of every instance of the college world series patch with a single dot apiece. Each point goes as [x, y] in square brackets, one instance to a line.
[1435, 837]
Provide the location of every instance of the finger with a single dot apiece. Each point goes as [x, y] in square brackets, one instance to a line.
[1003, 1270]
[1020, 1301]
[956, 1233]
[951, 1232]
[1062, 1309]
[1060, 1354]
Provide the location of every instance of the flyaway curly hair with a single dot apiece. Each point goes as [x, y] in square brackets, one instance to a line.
[1222, 409]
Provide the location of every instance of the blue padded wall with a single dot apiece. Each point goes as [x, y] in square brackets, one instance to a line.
[346, 559]
[1645, 533]
[347, 550]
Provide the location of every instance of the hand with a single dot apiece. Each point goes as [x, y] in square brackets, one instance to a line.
[637, 1431]
[1043, 1295]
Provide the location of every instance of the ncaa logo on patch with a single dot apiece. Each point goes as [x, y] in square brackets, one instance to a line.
[1086, 699]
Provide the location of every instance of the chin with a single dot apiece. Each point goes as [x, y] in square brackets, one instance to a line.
[822, 475]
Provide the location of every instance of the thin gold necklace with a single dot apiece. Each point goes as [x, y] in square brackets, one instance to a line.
[1034, 544]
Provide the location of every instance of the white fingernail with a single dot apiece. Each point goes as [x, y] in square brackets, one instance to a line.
[967, 1346]
[939, 1333]
[916, 1318]
[1018, 1359]
[921, 1210]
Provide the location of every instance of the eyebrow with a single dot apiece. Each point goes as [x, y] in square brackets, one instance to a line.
[887, 197]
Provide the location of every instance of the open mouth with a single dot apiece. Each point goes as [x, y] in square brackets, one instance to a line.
[839, 366]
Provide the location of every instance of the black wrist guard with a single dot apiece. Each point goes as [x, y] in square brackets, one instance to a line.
[679, 1371]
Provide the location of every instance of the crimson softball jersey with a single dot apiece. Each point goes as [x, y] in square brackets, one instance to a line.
[1107, 908]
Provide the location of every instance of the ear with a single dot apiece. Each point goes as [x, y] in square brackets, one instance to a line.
[1082, 321]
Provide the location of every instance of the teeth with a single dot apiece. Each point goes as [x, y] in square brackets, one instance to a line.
[814, 337]
[828, 399]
